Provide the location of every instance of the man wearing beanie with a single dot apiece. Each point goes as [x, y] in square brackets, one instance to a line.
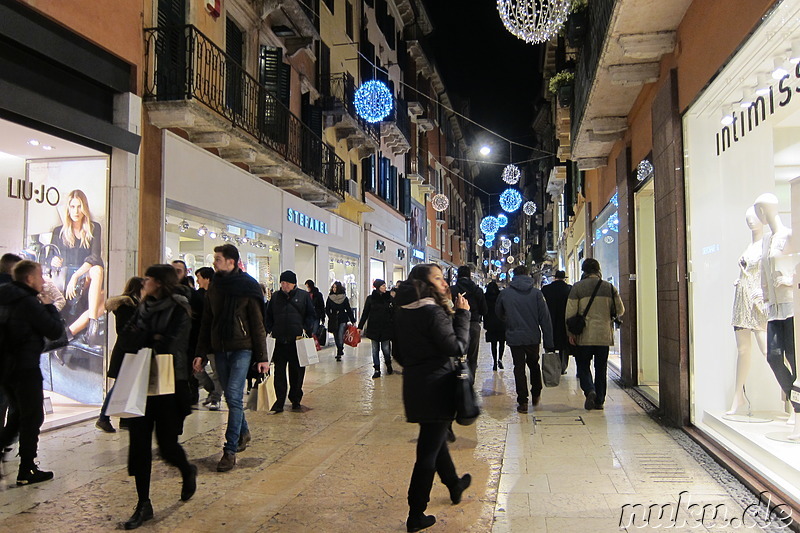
[289, 313]
[232, 329]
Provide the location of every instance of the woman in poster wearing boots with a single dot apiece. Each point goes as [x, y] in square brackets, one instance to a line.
[339, 315]
[161, 322]
[79, 247]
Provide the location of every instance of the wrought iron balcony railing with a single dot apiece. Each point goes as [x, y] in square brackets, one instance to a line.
[183, 64]
[399, 116]
[338, 91]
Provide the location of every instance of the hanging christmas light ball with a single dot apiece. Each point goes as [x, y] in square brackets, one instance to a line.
[440, 202]
[490, 224]
[373, 101]
[504, 250]
[511, 174]
[533, 21]
[510, 259]
[502, 220]
[505, 242]
[480, 242]
[529, 208]
[498, 263]
[516, 240]
[510, 200]
[485, 262]
[488, 244]
[502, 276]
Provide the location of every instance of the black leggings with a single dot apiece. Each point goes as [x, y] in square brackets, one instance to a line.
[495, 354]
[780, 350]
[432, 457]
[163, 414]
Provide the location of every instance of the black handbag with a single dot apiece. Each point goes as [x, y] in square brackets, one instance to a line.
[614, 318]
[576, 324]
[467, 409]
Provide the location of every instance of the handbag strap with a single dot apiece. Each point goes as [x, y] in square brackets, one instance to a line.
[596, 288]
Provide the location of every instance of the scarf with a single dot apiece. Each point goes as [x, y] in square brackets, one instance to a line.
[338, 299]
[234, 285]
[153, 315]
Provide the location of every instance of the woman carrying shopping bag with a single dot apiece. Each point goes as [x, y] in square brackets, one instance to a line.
[161, 322]
[339, 315]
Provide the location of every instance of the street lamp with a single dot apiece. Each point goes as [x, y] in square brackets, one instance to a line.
[485, 150]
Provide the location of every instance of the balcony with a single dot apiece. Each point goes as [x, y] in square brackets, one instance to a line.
[396, 129]
[415, 167]
[191, 84]
[296, 22]
[340, 113]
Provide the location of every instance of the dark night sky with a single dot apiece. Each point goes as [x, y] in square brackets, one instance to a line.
[497, 72]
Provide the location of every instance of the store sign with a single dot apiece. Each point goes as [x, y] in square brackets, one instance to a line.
[418, 254]
[24, 190]
[306, 221]
[746, 120]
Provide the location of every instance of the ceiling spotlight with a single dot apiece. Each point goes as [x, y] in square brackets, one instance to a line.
[746, 100]
[485, 150]
[202, 230]
[762, 88]
[183, 226]
[33, 142]
[212, 234]
[779, 71]
[727, 118]
[47, 147]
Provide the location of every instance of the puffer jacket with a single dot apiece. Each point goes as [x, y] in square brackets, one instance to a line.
[123, 307]
[599, 329]
[377, 316]
[525, 312]
[425, 340]
[25, 322]
[289, 314]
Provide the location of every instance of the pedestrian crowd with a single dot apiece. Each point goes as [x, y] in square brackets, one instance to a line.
[225, 333]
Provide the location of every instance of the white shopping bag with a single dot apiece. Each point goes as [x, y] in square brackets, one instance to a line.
[129, 397]
[307, 351]
[162, 375]
[270, 347]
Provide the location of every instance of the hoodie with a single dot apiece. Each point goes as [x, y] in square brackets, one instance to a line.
[525, 312]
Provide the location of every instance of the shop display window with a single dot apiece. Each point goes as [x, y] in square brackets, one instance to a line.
[742, 176]
[345, 268]
[191, 237]
[605, 246]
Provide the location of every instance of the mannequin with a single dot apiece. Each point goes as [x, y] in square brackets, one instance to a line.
[749, 314]
[777, 270]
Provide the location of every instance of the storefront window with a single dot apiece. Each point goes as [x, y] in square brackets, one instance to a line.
[605, 232]
[345, 268]
[191, 238]
[646, 291]
[743, 238]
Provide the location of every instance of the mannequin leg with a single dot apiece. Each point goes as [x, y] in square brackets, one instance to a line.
[743, 350]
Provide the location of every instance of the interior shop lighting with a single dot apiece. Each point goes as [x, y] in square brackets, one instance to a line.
[47, 147]
[183, 226]
[794, 58]
[212, 234]
[762, 89]
[33, 142]
[202, 230]
[727, 118]
[779, 71]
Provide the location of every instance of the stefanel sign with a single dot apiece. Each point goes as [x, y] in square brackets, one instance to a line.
[306, 221]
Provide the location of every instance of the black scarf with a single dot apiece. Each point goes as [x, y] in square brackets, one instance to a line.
[234, 285]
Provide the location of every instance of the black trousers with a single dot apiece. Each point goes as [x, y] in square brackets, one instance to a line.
[526, 356]
[598, 384]
[780, 350]
[286, 354]
[432, 457]
[162, 414]
[473, 346]
[498, 354]
[23, 389]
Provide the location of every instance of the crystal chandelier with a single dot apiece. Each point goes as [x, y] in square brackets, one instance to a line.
[533, 21]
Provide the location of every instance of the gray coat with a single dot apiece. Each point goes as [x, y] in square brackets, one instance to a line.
[524, 310]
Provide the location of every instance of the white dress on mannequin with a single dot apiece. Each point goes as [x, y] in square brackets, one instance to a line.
[748, 300]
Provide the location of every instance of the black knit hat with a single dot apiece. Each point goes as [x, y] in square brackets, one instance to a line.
[289, 277]
[377, 283]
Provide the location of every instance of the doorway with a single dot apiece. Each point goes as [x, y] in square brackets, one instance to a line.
[305, 262]
[646, 309]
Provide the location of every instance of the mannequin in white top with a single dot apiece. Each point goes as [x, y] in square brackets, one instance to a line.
[749, 316]
[776, 281]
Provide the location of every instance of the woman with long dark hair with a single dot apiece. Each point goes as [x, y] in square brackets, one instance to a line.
[428, 333]
[161, 322]
[495, 326]
[339, 315]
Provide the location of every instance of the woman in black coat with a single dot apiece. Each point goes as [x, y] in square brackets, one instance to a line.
[378, 310]
[123, 307]
[318, 300]
[339, 315]
[427, 335]
[495, 327]
[161, 322]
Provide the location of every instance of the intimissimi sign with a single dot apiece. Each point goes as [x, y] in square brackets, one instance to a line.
[746, 120]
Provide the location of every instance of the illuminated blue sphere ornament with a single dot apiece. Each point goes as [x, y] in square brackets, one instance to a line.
[503, 220]
[373, 101]
[502, 276]
[498, 263]
[516, 240]
[489, 225]
[510, 200]
[485, 262]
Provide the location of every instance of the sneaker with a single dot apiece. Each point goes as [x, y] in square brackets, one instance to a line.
[459, 488]
[244, 439]
[29, 475]
[589, 403]
[377, 374]
[522, 408]
[226, 463]
[213, 405]
[207, 401]
[104, 424]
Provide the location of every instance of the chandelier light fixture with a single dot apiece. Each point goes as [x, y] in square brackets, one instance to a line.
[529, 208]
[510, 200]
[511, 174]
[440, 202]
[489, 225]
[373, 101]
[533, 21]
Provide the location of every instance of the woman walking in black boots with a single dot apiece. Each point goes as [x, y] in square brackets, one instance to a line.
[495, 327]
[427, 334]
[339, 315]
[161, 322]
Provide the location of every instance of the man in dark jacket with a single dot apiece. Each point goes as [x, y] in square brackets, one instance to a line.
[524, 309]
[556, 294]
[209, 382]
[7, 262]
[478, 309]
[26, 317]
[233, 330]
[289, 313]
[196, 302]
[318, 300]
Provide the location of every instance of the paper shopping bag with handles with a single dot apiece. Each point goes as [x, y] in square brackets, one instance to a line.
[270, 347]
[162, 375]
[551, 369]
[129, 396]
[263, 396]
[306, 351]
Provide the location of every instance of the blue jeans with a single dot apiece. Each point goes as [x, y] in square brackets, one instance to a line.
[232, 368]
[583, 358]
[338, 336]
[377, 348]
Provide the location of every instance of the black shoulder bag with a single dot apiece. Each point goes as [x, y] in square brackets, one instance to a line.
[576, 324]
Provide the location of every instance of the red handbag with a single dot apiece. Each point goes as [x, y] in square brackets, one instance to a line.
[316, 342]
[351, 336]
